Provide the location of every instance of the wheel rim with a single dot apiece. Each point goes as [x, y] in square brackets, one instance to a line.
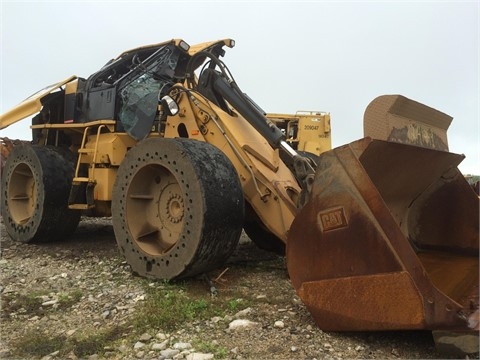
[154, 197]
[22, 194]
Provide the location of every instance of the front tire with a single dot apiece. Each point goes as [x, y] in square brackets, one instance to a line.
[177, 208]
[36, 183]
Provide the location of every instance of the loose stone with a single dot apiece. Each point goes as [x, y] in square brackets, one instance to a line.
[199, 356]
[169, 353]
[139, 345]
[160, 346]
[182, 346]
[279, 324]
[241, 324]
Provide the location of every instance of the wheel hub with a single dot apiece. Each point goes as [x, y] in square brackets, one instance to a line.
[174, 208]
[22, 194]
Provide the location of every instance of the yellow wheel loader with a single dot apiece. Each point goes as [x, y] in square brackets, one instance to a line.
[380, 234]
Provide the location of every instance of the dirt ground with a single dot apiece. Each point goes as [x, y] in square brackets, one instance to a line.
[88, 270]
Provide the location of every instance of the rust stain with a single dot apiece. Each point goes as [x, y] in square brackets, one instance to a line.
[418, 135]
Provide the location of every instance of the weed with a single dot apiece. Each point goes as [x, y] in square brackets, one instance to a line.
[32, 303]
[220, 352]
[233, 304]
[171, 305]
[96, 342]
[195, 307]
[40, 344]
[24, 303]
[66, 300]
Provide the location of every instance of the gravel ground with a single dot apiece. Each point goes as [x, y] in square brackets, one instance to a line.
[82, 286]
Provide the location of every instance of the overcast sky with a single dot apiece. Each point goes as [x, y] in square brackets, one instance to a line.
[333, 56]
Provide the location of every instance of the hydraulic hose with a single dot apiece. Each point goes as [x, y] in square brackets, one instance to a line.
[231, 93]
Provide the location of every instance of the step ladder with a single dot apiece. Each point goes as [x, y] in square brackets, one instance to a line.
[81, 193]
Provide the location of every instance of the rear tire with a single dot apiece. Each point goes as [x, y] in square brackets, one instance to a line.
[177, 208]
[259, 234]
[36, 183]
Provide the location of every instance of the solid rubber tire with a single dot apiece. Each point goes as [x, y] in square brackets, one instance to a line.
[260, 235]
[36, 183]
[177, 208]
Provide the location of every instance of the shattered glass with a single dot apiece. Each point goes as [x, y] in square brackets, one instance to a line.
[139, 98]
[139, 102]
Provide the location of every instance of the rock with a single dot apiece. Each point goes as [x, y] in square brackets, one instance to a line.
[449, 342]
[242, 313]
[242, 324]
[145, 337]
[123, 348]
[49, 302]
[182, 346]
[71, 356]
[216, 319]
[139, 345]
[139, 298]
[199, 356]
[161, 336]
[279, 324]
[169, 353]
[160, 346]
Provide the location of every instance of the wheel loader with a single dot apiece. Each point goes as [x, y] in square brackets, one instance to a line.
[380, 234]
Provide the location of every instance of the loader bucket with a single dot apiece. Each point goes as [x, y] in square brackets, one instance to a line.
[388, 239]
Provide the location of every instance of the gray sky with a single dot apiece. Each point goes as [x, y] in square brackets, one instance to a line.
[289, 56]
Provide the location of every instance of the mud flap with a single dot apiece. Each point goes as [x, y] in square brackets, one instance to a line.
[388, 240]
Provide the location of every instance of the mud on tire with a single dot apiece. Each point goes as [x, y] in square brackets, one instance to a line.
[177, 208]
[36, 182]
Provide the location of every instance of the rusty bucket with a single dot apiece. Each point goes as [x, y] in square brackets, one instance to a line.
[388, 240]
